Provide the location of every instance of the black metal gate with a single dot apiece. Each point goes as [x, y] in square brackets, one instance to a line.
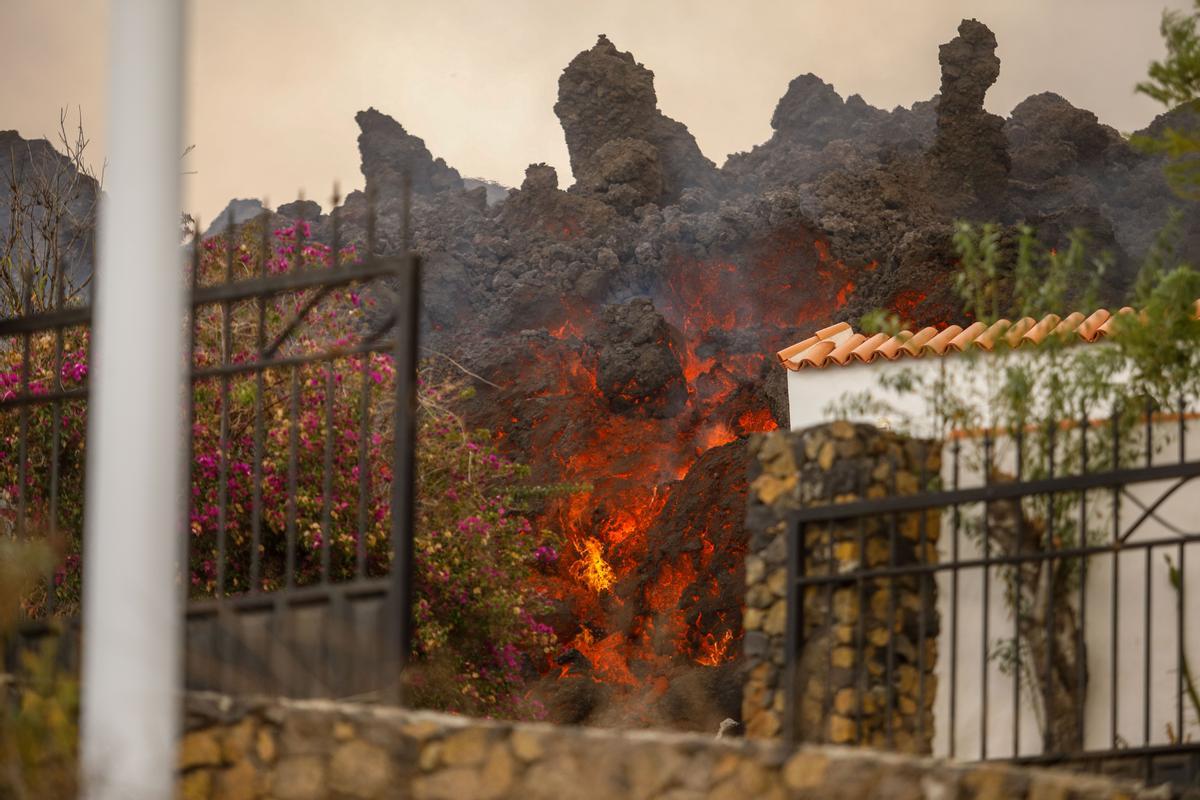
[297, 574]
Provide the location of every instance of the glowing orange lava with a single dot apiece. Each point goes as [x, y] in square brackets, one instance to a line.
[632, 460]
[591, 568]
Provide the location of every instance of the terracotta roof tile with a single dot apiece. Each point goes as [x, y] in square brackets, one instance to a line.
[841, 344]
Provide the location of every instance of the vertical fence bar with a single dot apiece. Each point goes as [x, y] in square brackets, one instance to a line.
[1116, 578]
[223, 447]
[1179, 589]
[293, 469]
[860, 684]
[407, 331]
[56, 411]
[890, 665]
[1080, 652]
[1147, 623]
[985, 627]
[831, 641]
[923, 577]
[795, 534]
[23, 424]
[364, 467]
[956, 515]
[260, 343]
[327, 475]
[1049, 570]
[1017, 662]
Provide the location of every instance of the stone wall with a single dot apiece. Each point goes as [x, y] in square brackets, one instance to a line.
[312, 750]
[867, 647]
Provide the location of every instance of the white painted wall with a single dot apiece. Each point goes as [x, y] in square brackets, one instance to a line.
[1143, 592]
[813, 392]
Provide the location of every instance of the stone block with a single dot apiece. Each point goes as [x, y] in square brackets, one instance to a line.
[826, 455]
[360, 770]
[450, 784]
[238, 741]
[466, 747]
[430, 756]
[776, 620]
[499, 772]
[752, 620]
[304, 733]
[526, 746]
[754, 644]
[199, 749]
[759, 596]
[764, 725]
[756, 568]
[842, 657]
[300, 778]
[805, 771]
[240, 782]
[842, 730]
[776, 552]
[649, 773]
[264, 746]
[196, 785]
[777, 582]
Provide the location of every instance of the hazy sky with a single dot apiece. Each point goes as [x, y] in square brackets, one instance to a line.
[273, 86]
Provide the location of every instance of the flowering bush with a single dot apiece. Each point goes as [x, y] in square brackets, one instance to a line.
[294, 466]
[475, 552]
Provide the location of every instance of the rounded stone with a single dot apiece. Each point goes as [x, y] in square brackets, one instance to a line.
[360, 770]
[300, 778]
[196, 785]
[776, 619]
[199, 749]
[239, 782]
[805, 771]
[465, 748]
[526, 745]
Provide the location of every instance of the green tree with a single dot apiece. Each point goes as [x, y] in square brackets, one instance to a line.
[1175, 82]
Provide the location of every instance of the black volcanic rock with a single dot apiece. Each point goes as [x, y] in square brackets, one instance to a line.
[816, 132]
[812, 112]
[388, 151]
[970, 153]
[638, 368]
[1048, 137]
[236, 213]
[607, 98]
[48, 184]
[309, 210]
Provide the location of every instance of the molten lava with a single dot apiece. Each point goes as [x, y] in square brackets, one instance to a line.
[591, 568]
[639, 609]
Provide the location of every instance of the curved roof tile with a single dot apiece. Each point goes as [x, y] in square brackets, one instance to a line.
[840, 344]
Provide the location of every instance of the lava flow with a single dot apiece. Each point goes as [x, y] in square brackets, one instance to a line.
[651, 583]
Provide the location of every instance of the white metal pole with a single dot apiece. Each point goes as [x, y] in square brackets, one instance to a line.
[131, 608]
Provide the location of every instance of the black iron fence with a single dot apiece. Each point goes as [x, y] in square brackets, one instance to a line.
[1029, 597]
[297, 552]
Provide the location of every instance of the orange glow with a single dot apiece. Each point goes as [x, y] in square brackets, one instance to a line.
[713, 651]
[632, 460]
[757, 420]
[591, 568]
[609, 663]
[906, 302]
